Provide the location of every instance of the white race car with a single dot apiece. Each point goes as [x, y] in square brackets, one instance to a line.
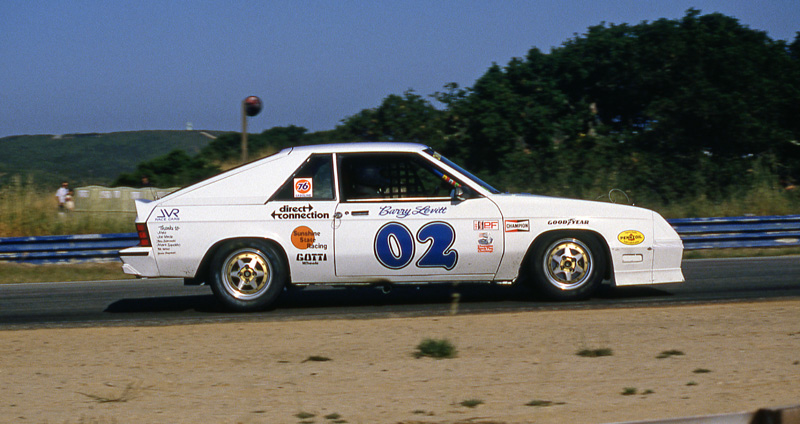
[388, 213]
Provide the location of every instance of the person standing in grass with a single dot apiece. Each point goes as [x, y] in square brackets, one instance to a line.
[61, 195]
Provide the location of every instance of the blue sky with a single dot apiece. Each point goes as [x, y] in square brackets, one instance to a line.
[103, 66]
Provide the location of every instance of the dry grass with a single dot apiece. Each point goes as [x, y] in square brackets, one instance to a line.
[26, 210]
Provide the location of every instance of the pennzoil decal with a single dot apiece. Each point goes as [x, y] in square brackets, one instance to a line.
[517, 225]
[630, 237]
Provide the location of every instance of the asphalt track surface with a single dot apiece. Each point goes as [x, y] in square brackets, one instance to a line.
[169, 302]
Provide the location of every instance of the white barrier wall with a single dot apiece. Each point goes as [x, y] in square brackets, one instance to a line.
[114, 199]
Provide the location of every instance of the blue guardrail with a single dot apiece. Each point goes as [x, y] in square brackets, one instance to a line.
[57, 249]
[738, 232]
[696, 233]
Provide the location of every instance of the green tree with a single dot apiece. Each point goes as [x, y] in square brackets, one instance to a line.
[229, 145]
[672, 109]
[409, 118]
[176, 168]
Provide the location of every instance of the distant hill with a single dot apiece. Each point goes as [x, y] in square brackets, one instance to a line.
[92, 158]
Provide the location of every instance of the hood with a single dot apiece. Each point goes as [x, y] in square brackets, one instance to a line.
[535, 206]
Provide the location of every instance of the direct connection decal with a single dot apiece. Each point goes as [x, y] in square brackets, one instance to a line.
[298, 212]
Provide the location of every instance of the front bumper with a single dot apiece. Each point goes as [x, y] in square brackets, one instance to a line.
[667, 257]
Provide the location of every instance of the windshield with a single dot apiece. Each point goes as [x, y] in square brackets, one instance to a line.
[464, 172]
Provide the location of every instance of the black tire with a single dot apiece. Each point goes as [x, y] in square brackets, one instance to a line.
[247, 275]
[567, 265]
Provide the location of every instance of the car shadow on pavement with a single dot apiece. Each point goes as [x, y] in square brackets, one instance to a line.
[197, 303]
[469, 296]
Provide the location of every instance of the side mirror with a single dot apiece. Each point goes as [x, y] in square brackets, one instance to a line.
[457, 194]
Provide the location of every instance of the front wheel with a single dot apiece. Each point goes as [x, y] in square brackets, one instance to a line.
[247, 275]
[568, 266]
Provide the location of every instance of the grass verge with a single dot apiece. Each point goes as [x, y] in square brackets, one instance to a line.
[30, 273]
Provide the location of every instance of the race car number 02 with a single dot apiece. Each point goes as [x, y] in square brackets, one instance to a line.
[394, 246]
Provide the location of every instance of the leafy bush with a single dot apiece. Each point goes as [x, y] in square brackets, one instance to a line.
[438, 349]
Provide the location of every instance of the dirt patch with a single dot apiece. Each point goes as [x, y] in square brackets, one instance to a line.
[515, 368]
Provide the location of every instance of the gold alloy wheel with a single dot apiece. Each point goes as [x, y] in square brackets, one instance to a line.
[568, 264]
[247, 273]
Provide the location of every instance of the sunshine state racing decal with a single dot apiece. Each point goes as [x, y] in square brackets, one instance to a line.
[299, 212]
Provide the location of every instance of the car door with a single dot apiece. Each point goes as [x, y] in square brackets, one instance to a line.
[397, 220]
[302, 213]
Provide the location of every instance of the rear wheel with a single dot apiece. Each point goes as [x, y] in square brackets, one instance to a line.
[568, 266]
[247, 275]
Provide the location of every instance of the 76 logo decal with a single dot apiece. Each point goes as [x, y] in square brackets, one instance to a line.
[303, 187]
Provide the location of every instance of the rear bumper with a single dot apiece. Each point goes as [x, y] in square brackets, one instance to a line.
[139, 261]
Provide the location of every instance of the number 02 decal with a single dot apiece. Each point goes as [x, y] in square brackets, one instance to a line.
[395, 247]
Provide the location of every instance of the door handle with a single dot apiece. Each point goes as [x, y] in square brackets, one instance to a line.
[337, 220]
[360, 213]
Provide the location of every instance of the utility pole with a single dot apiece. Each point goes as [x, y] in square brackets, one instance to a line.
[251, 106]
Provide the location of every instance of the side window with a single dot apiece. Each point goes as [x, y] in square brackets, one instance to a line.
[312, 181]
[376, 176]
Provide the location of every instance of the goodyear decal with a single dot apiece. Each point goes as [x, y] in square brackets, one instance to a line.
[571, 221]
[630, 237]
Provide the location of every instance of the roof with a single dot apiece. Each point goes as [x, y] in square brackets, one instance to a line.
[362, 146]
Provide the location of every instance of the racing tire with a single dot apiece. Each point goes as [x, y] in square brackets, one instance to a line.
[568, 266]
[248, 275]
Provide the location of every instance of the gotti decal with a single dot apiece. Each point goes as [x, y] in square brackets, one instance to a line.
[311, 258]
